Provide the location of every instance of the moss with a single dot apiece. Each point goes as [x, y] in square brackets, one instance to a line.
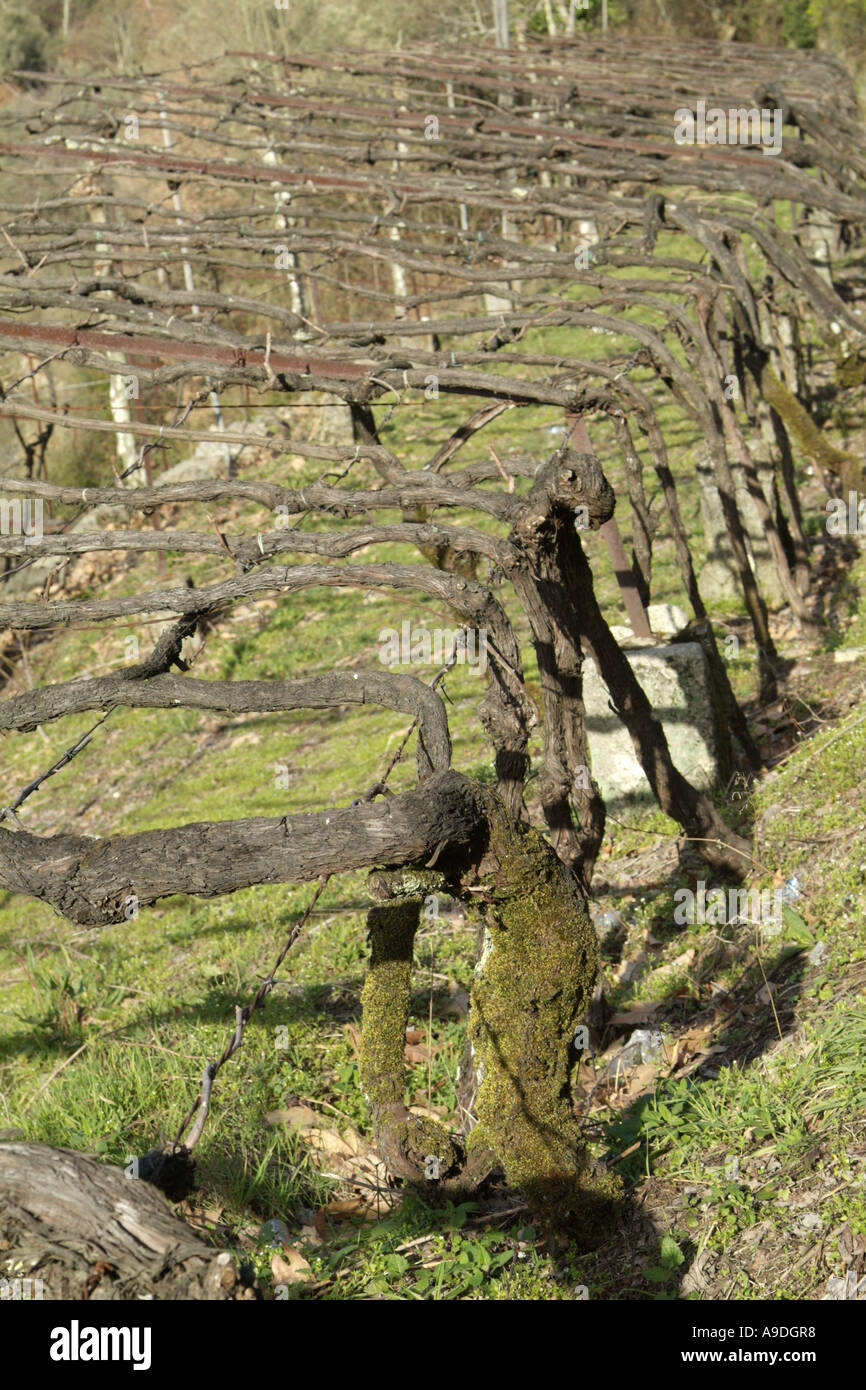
[385, 1000]
[812, 441]
[851, 371]
[407, 883]
[532, 986]
[533, 982]
[412, 1146]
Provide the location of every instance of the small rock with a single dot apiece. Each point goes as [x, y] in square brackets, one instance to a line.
[609, 926]
[222, 1275]
[644, 1046]
[809, 1223]
[274, 1232]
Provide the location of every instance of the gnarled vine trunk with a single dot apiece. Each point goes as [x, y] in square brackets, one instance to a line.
[87, 1231]
[532, 985]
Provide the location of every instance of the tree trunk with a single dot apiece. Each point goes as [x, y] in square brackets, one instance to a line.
[532, 985]
[539, 535]
[714, 840]
[98, 882]
[411, 1146]
[88, 1231]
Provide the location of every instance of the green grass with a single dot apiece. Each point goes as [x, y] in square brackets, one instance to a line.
[103, 1034]
[151, 1000]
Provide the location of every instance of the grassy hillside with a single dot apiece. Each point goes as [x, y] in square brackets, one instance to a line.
[741, 1143]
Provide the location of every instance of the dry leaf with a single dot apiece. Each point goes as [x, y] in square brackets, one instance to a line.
[636, 1013]
[633, 1082]
[353, 1141]
[329, 1142]
[291, 1267]
[456, 1005]
[343, 1209]
[415, 1053]
[295, 1117]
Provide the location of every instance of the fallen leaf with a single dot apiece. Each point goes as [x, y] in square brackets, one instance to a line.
[455, 1006]
[415, 1053]
[330, 1142]
[343, 1209]
[636, 1013]
[295, 1117]
[353, 1141]
[291, 1267]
